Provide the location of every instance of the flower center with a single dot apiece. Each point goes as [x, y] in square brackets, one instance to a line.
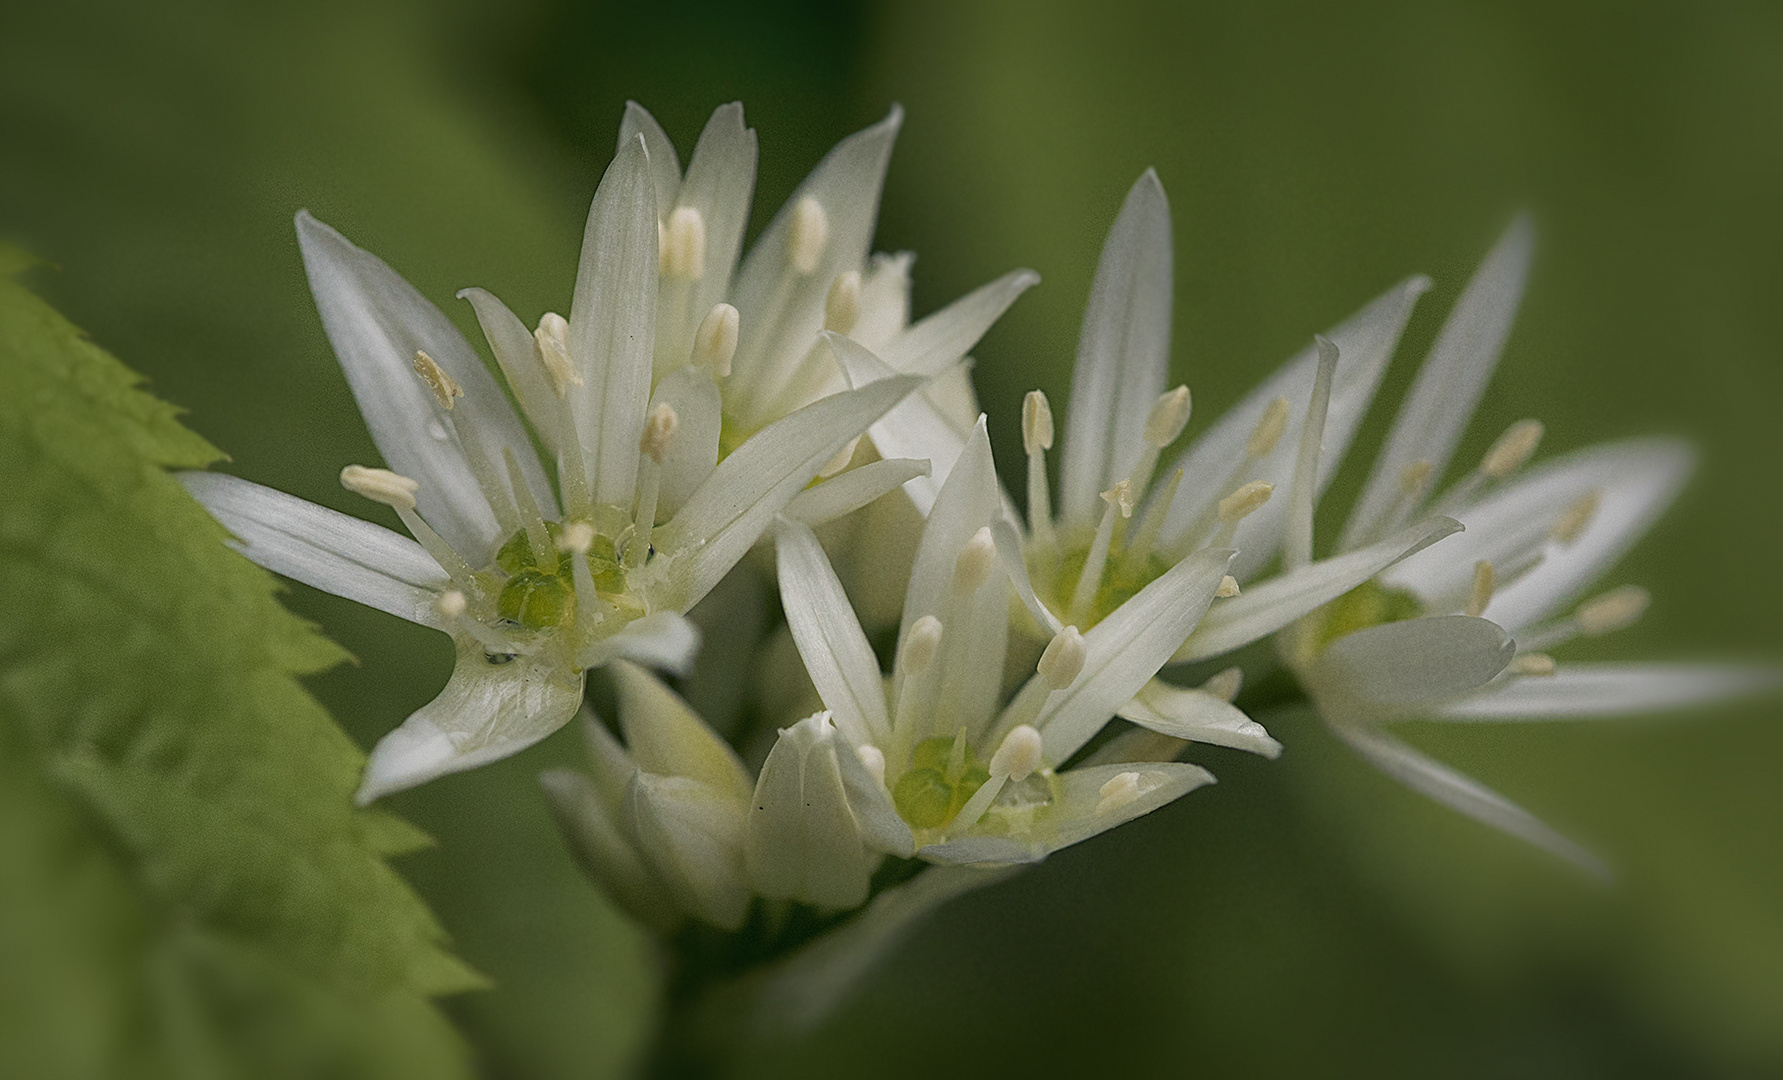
[944, 773]
[540, 594]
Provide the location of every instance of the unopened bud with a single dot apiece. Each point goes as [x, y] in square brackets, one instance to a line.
[842, 307]
[1119, 792]
[380, 485]
[1269, 429]
[659, 432]
[715, 342]
[1036, 422]
[1228, 588]
[1614, 610]
[1512, 450]
[973, 566]
[921, 645]
[1019, 755]
[1169, 415]
[683, 251]
[1062, 661]
[807, 235]
[444, 386]
[1241, 503]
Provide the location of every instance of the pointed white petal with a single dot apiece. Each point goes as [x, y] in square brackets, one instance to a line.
[885, 300]
[336, 553]
[593, 836]
[802, 843]
[1365, 343]
[693, 453]
[835, 650]
[876, 817]
[512, 344]
[1417, 660]
[1080, 811]
[1269, 605]
[844, 494]
[1637, 480]
[487, 711]
[1458, 792]
[1183, 713]
[913, 428]
[720, 181]
[1009, 553]
[983, 851]
[939, 341]
[665, 167]
[610, 766]
[613, 324]
[1123, 355]
[664, 640]
[691, 835]
[1127, 648]
[725, 515]
[1591, 690]
[1450, 383]
[666, 738]
[376, 322]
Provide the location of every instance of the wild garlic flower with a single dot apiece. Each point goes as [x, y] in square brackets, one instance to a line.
[539, 568]
[1461, 632]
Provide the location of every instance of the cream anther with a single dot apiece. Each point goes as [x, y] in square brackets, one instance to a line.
[1532, 665]
[715, 342]
[874, 759]
[1122, 498]
[1413, 477]
[659, 431]
[1119, 792]
[1169, 415]
[922, 644]
[842, 307]
[1238, 505]
[551, 344]
[380, 485]
[1269, 429]
[807, 235]
[683, 250]
[1019, 755]
[1036, 422]
[1512, 450]
[1481, 593]
[1618, 608]
[444, 386]
[1063, 659]
[973, 566]
[1225, 684]
[451, 603]
[840, 460]
[577, 537]
[1228, 588]
[1578, 517]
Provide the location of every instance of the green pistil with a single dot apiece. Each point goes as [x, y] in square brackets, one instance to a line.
[539, 597]
[1368, 604]
[934, 789]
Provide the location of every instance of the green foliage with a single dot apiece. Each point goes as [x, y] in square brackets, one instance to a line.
[185, 886]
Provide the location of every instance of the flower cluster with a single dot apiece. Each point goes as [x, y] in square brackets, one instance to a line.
[567, 516]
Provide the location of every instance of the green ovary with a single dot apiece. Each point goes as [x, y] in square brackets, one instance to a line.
[934, 789]
[539, 596]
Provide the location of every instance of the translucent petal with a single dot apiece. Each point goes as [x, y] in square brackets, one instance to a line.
[1078, 813]
[913, 428]
[1009, 553]
[512, 343]
[1594, 690]
[693, 453]
[1184, 713]
[720, 181]
[830, 640]
[1417, 660]
[664, 640]
[665, 737]
[665, 166]
[844, 494]
[938, 342]
[691, 835]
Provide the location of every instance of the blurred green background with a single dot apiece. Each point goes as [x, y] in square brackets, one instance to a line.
[1305, 917]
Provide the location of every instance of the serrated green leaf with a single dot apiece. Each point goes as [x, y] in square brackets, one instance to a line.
[185, 887]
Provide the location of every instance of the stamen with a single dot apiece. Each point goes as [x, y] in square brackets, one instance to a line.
[380, 485]
[920, 647]
[1225, 684]
[874, 759]
[1268, 431]
[659, 432]
[808, 234]
[576, 538]
[1019, 756]
[1512, 450]
[1083, 596]
[973, 566]
[1119, 792]
[1578, 517]
[842, 307]
[551, 344]
[1481, 593]
[1532, 665]
[1228, 588]
[1036, 422]
[715, 342]
[451, 603]
[1614, 610]
[1062, 661]
[1169, 415]
[1121, 497]
[683, 250]
[1037, 440]
[841, 459]
[1246, 500]
[445, 388]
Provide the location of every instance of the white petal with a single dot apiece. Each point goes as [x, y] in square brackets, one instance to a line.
[1009, 553]
[939, 341]
[1450, 383]
[593, 836]
[720, 180]
[692, 837]
[802, 843]
[983, 851]
[336, 553]
[664, 640]
[1365, 343]
[487, 711]
[1123, 355]
[1127, 648]
[1458, 792]
[725, 515]
[885, 300]
[512, 344]
[1197, 715]
[693, 453]
[835, 650]
[1637, 478]
[376, 322]
[913, 428]
[613, 324]
[1076, 814]
[1413, 661]
[1269, 605]
[665, 166]
[1592, 690]
[844, 494]
[881, 828]
[666, 738]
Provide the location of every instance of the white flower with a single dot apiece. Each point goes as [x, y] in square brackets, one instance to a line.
[536, 581]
